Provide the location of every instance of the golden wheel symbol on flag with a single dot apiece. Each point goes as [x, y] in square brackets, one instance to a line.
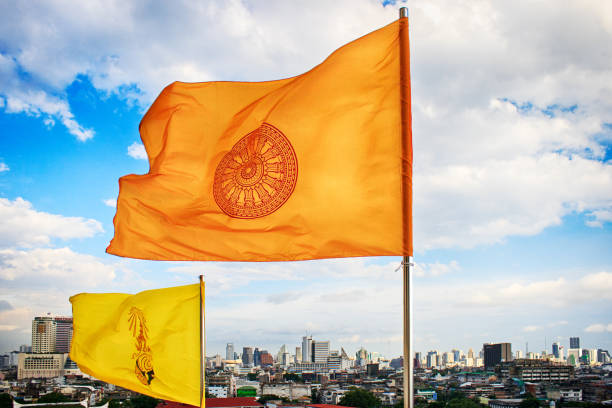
[257, 176]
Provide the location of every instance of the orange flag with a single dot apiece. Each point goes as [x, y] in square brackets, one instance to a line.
[314, 166]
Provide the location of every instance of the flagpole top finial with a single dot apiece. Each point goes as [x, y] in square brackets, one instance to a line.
[403, 12]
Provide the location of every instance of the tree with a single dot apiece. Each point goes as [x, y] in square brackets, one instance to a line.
[6, 401]
[53, 398]
[529, 402]
[314, 396]
[252, 376]
[293, 377]
[459, 400]
[144, 401]
[359, 398]
[115, 403]
[268, 397]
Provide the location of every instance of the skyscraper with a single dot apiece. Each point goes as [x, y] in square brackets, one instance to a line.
[417, 359]
[320, 351]
[63, 334]
[257, 357]
[496, 353]
[43, 334]
[229, 351]
[555, 350]
[307, 348]
[361, 357]
[575, 342]
[298, 354]
[247, 357]
[266, 358]
[432, 359]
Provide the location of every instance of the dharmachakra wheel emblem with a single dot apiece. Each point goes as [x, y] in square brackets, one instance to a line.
[257, 176]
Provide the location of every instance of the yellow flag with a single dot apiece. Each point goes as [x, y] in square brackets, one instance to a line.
[314, 166]
[148, 342]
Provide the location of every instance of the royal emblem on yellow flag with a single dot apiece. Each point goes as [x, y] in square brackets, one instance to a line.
[144, 360]
[148, 342]
[314, 166]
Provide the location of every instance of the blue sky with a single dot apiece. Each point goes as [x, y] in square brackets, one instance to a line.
[512, 183]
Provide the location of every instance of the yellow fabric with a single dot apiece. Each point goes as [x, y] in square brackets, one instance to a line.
[158, 329]
[342, 119]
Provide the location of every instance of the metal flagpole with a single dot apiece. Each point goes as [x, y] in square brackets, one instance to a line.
[407, 261]
[202, 344]
[408, 362]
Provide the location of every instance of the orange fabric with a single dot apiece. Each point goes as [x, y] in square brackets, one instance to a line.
[314, 166]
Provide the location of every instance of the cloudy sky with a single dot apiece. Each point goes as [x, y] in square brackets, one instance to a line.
[512, 108]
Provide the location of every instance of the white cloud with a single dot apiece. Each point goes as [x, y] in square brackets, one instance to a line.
[4, 167]
[435, 269]
[507, 127]
[531, 328]
[224, 276]
[556, 324]
[110, 202]
[21, 225]
[600, 217]
[557, 293]
[137, 151]
[20, 96]
[16, 318]
[599, 328]
[57, 267]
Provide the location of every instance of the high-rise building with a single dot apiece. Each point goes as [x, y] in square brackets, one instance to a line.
[432, 358]
[257, 357]
[320, 351]
[63, 334]
[575, 342]
[43, 334]
[266, 358]
[229, 351]
[306, 349]
[346, 361]
[361, 357]
[417, 359]
[298, 354]
[603, 356]
[555, 350]
[589, 356]
[448, 358]
[334, 361]
[573, 356]
[496, 353]
[51, 334]
[470, 353]
[456, 355]
[247, 357]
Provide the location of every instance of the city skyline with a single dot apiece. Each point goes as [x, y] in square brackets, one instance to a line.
[56, 335]
[492, 375]
[53, 335]
[512, 132]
